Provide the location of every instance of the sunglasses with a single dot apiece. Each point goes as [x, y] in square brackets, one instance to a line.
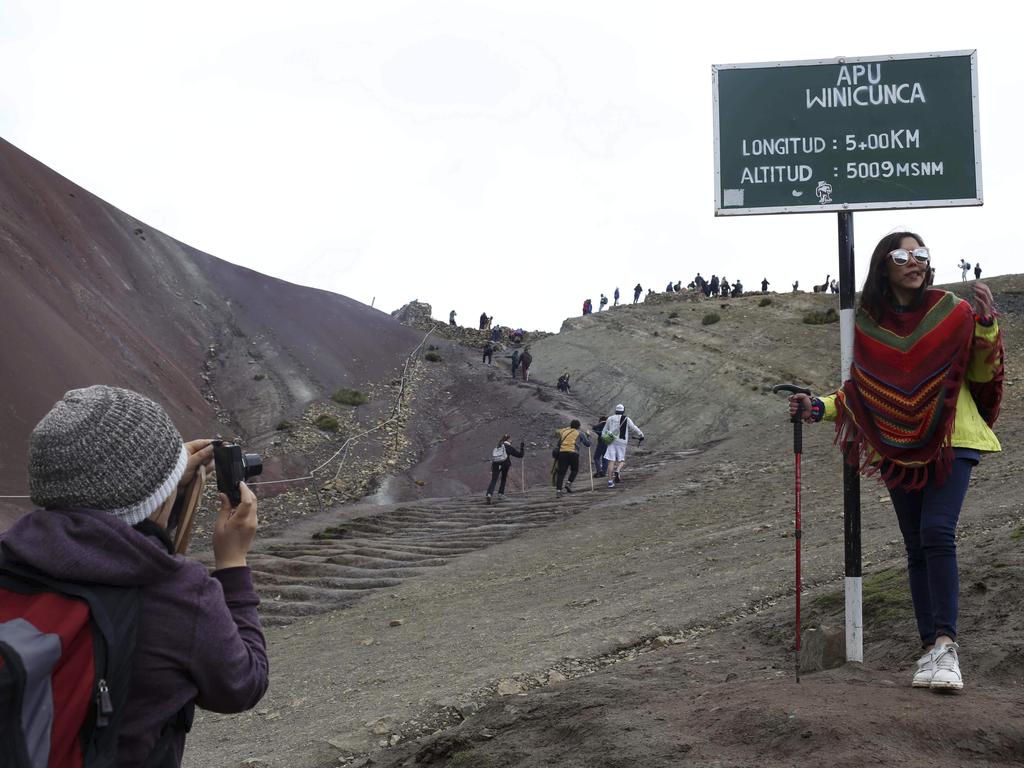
[901, 256]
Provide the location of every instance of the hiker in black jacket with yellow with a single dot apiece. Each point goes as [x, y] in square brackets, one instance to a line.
[568, 448]
[500, 462]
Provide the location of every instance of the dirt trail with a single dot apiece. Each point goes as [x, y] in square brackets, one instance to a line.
[694, 549]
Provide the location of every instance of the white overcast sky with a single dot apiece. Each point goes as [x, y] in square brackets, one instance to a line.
[513, 158]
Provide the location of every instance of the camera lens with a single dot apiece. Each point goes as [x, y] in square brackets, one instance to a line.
[252, 464]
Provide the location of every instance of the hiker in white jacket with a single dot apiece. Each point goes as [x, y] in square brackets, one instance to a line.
[619, 425]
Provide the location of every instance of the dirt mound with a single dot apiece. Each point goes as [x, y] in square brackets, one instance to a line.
[92, 295]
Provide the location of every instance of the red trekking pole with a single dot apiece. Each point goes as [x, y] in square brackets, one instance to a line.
[797, 419]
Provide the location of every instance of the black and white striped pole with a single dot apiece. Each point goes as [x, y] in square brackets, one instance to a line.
[851, 480]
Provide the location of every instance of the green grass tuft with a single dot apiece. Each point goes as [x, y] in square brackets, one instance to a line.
[326, 422]
[347, 396]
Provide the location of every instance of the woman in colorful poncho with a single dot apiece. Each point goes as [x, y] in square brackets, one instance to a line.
[917, 411]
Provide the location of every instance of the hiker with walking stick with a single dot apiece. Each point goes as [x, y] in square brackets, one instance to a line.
[924, 391]
[501, 460]
[567, 453]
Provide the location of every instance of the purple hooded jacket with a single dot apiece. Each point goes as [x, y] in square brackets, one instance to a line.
[199, 636]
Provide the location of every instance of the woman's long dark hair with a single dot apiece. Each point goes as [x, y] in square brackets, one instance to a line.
[876, 296]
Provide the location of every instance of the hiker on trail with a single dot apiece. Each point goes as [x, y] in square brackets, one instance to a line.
[650, 292]
[525, 360]
[604, 302]
[965, 267]
[834, 286]
[678, 287]
[483, 321]
[103, 465]
[587, 307]
[496, 334]
[563, 382]
[923, 448]
[500, 462]
[796, 285]
[517, 335]
[451, 318]
[567, 452]
[977, 271]
[737, 289]
[616, 297]
[713, 285]
[515, 361]
[637, 290]
[616, 435]
[600, 462]
[669, 288]
[724, 287]
[764, 285]
[488, 352]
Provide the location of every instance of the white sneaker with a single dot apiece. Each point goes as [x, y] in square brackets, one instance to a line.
[925, 670]
[947, 675]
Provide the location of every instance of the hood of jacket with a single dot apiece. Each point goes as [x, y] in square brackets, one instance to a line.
[88, 545]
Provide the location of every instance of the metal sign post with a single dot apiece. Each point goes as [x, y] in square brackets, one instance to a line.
[847, 134]
[851, 480]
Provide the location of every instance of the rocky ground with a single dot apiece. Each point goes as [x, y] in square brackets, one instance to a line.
[651, 624]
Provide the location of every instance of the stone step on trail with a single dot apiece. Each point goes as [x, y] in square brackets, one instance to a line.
[335, 567]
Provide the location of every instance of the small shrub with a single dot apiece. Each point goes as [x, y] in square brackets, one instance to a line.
[347, 396]
[710, 318]
[673, 314]
[283, 424]
[1018, 534]
[764, 302]
[822, 318]
[260, 376]
[432, 357]
[431, 348]
[326, 422]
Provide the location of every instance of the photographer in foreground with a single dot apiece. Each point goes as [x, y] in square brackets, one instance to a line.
[103, 463]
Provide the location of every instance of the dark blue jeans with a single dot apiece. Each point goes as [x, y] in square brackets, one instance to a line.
[928, 519]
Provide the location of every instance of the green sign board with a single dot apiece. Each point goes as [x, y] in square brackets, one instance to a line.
[847, 134]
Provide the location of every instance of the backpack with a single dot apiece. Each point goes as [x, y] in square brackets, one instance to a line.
[65, 669]
[499, 454]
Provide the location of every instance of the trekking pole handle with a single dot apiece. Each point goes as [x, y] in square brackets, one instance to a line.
[796, 418]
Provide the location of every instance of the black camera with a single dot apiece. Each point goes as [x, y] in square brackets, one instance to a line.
[232, 467]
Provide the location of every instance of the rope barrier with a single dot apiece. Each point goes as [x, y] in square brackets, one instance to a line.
[345, 446]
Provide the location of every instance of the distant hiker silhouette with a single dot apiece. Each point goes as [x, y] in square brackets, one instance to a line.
[764, 285]
[525, 360]
[515, 361]
[451, 318]
[616, 297]
[637, 290]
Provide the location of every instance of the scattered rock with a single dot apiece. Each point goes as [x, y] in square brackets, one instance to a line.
[822, 648]
[396, 622]
[509, 688]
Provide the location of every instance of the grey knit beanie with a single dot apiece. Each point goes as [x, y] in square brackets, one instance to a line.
[108, 449]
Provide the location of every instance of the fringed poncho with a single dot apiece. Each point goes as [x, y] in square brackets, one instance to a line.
[895, 414]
